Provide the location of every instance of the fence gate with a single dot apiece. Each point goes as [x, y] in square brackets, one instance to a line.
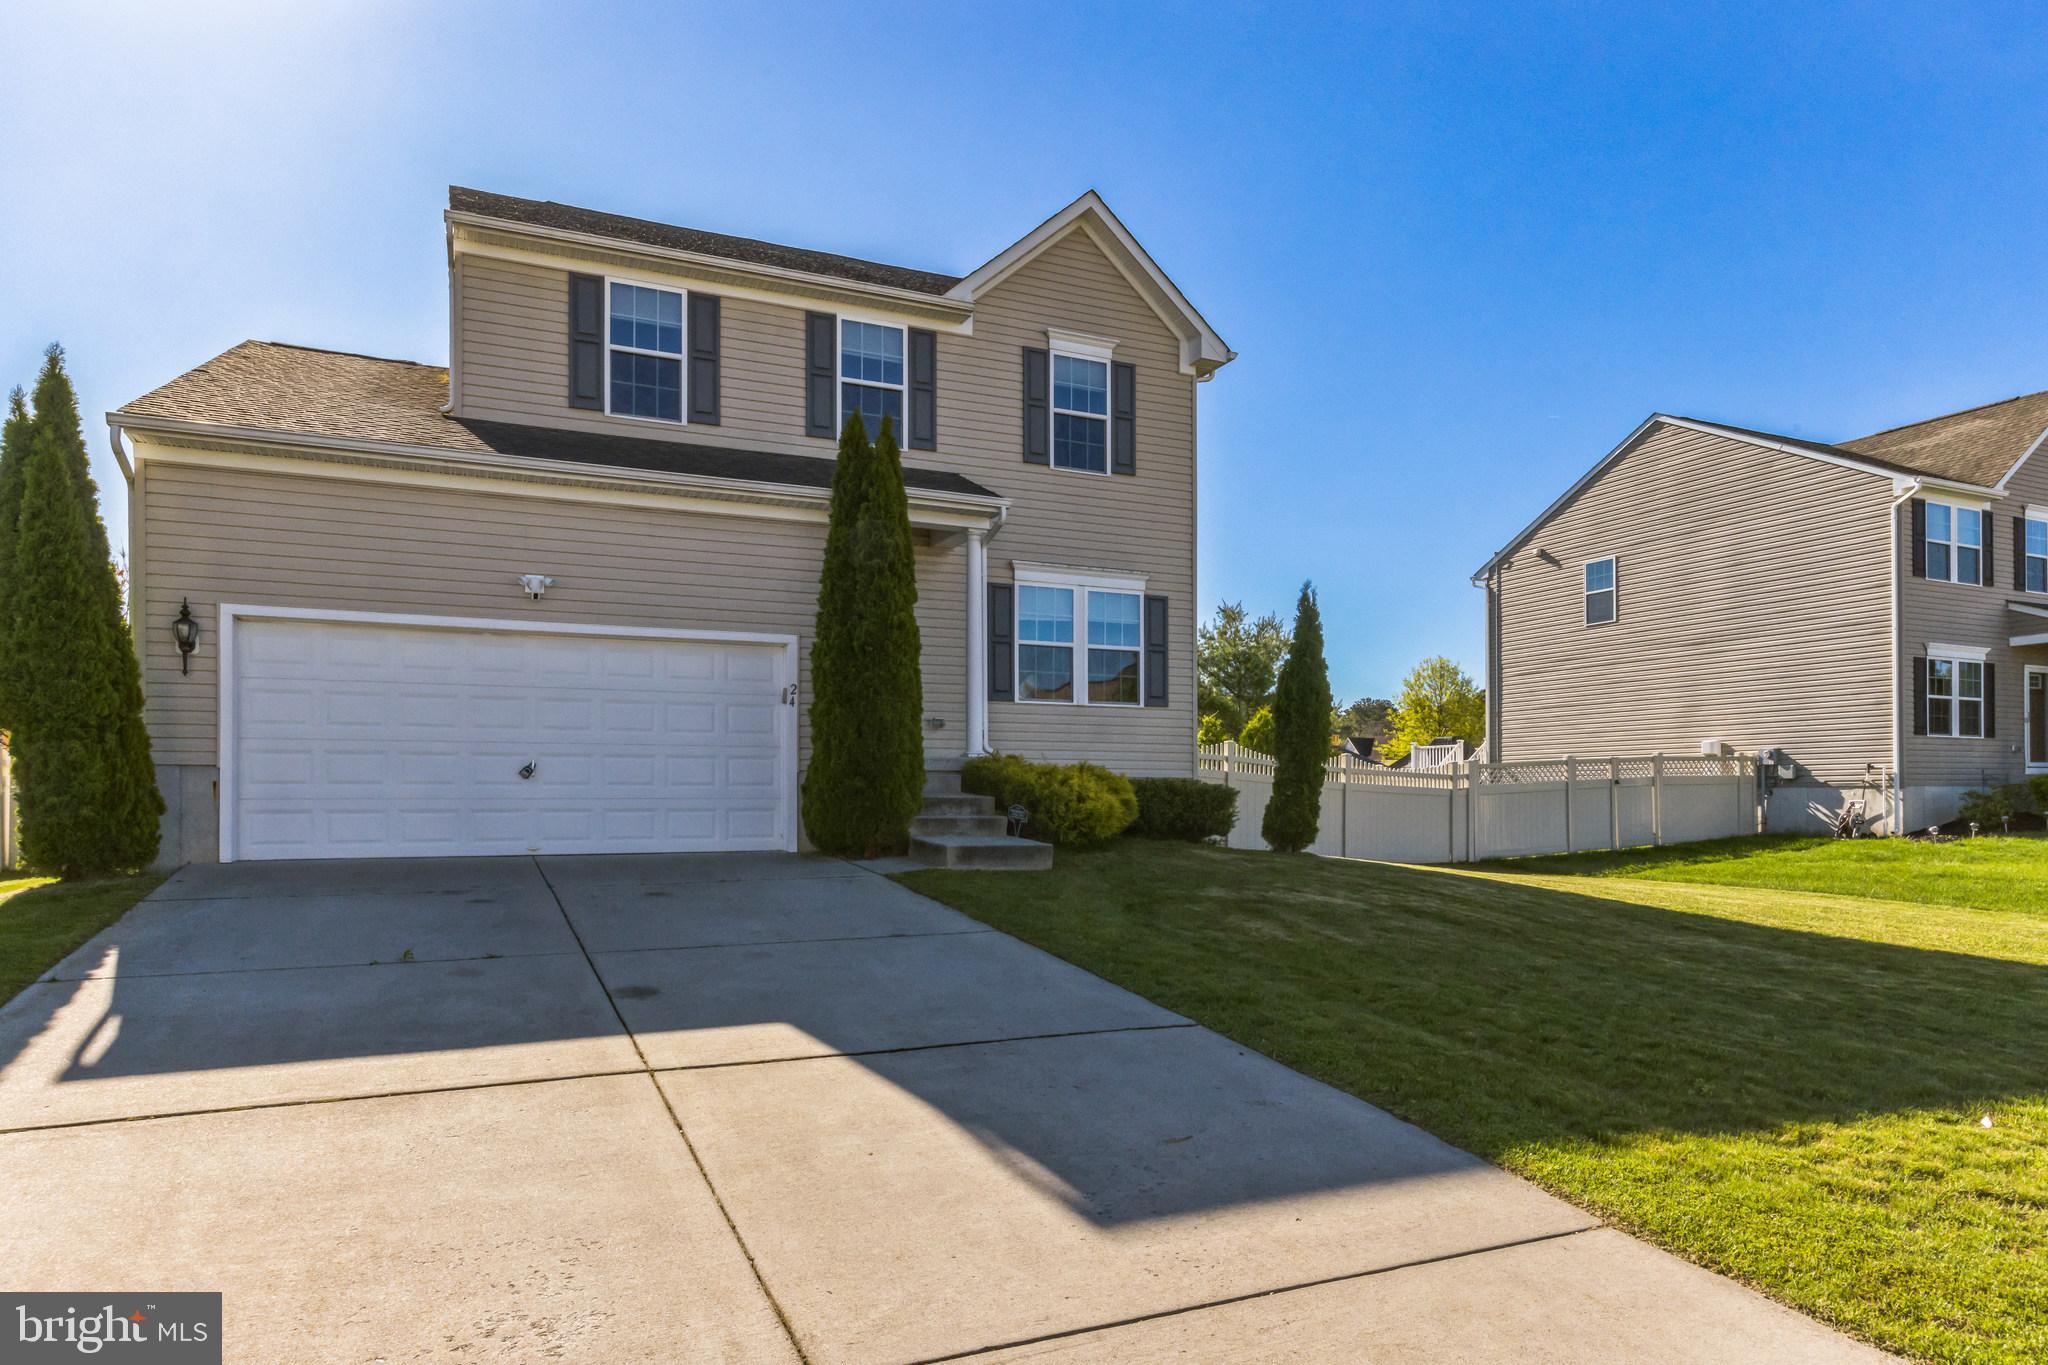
[1464, 812]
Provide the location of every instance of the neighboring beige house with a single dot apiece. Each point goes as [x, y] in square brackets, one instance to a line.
[1875, 606]
[559, 596]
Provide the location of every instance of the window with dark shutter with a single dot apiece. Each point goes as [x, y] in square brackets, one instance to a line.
[821, 349]
[703, 386]
[1002, 642]
[1919, 538]
[1123, 423]
[586, 342]
[1155, 651]
[924, 390]
[1037, 407]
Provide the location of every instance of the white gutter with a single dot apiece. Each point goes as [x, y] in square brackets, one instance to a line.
[496, 463]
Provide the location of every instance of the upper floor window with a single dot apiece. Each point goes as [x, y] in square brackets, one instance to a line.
[1047, 647]
[1955, 697]
[645, 355]
[1600, 591]
[1955, 543]
[2037, 555]
[871, 374]
[1080, 413]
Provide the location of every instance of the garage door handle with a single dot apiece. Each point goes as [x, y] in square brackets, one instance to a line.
[529, 770]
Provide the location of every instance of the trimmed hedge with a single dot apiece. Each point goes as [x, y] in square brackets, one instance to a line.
[1071, 804]
[1184, 808]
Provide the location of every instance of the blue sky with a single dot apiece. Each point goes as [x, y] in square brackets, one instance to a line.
[1461, 252]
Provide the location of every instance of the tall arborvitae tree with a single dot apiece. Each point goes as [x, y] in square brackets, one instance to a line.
[1301, 733]
[13, 460]
[89, 800]
[867, 748]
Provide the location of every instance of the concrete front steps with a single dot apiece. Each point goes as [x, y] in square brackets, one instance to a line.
[962, 831]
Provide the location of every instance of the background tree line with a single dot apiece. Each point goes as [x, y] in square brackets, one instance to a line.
[1238, 659]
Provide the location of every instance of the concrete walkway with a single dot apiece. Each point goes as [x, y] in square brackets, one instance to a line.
[748, 1107]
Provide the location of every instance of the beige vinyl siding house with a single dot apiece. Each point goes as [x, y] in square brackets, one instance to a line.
[323, 510]
[1775, 594]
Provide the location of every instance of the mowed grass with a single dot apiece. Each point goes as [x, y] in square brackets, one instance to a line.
[1789, 1088]
[1993, 873]
[42, 921]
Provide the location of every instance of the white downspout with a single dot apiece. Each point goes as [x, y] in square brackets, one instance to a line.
[1911, 490]
[977, 642]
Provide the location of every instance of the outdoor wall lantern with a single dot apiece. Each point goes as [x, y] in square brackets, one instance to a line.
[186, 631]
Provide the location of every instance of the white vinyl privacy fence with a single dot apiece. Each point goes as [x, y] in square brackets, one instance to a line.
[1468, 811]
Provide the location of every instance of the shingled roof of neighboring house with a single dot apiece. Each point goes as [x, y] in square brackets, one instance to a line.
[1977, 445]
[299, 391]
[568, 218]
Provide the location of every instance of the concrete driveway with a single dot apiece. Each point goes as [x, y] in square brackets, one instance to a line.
[748, 1107]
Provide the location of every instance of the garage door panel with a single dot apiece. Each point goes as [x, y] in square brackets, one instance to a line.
[358, 740]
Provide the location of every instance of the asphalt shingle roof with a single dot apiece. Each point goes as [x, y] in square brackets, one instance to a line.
[270, 386]
[1977, 445]
[567, 217]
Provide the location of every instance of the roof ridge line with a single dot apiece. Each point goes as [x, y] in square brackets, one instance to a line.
[330, 350]
[714, 232]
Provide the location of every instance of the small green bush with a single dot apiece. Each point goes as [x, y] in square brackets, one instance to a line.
[1258, 732]
[2021, 798]
[2037, 786]
[1184, 808]
[1986, 808]
[1073, 804]
[1211, 730]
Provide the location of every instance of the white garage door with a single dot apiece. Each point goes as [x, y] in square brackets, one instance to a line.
[376, 741]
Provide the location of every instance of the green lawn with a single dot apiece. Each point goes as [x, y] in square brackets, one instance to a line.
[41, 920]
[1786, 1087]
[1991, 874]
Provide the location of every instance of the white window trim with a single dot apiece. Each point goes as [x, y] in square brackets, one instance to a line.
[2035, 516]
[1080, 585]
[682, 357]
[2027, 675]
[1955, 544]
[1586, 593]
[1957, 655]
[1074, 346]
[840, 381]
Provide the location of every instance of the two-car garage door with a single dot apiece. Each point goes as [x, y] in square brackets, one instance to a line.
[367, 740]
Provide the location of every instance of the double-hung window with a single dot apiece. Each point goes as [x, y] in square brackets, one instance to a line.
[2037, 554]
[1600, 591]
[1080, 413]
[871, 374]
[1100, 664]
[1955, 697]
[1955, 543]
[645, 356]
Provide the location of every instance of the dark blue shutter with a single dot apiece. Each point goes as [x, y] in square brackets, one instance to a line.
[1037, 407]
[1123, 421]
[586, 342]
[1990, 696]
[821, 372]
[924, 390]
[1919, 542]
[1002, 642]
[1985, 576]
[703, 347]
[1920, 696]
[1155, 651]
[2019, 554]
